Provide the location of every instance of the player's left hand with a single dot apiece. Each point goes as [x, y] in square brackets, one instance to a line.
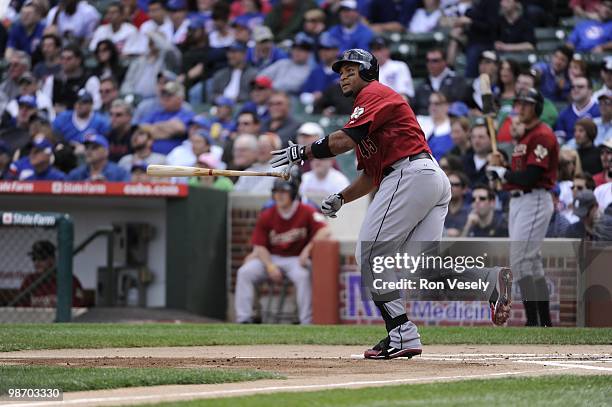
[495, 173]
[294, 154]
[332, 204]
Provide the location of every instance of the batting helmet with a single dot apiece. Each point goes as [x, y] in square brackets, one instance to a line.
[534, 96]
[288, 186]
[368, 65]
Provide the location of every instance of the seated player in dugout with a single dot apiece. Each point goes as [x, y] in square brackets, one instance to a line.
[282, 241]
[413, 191]
[44, 292]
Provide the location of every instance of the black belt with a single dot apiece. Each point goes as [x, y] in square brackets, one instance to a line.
[415, 157]
[519, 192]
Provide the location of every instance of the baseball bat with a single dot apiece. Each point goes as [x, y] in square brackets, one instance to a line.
[182, 171]
[488, 108]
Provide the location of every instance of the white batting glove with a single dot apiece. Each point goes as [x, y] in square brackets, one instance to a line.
[332, 204]
[495, 173]
[290, 155]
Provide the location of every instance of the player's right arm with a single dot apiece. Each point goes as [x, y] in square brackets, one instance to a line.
[339, 142]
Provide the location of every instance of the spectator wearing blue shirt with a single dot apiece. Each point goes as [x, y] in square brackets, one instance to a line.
[40, 163]
[484, 220]
[322, 76]
[71, 125]
[261, 90]
[351, 32]
[222, 124]
[391, 15]
[169, 124]
[97, 167]
[582, 105]
[437, 126]
[264, 53]
[554, 78]
[26, 33]
[594, 35]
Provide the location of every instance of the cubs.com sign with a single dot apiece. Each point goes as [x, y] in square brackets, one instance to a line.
[27, 219]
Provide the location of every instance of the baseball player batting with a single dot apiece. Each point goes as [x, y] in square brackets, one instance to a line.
[532, 174]
[413, 192]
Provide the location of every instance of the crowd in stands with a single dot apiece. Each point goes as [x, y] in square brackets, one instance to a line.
[96, 91]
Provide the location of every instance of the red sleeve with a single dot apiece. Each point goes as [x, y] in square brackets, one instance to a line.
[540, 150]
[260, 233]
[370, 108]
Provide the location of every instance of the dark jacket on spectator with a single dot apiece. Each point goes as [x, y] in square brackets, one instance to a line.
[590, 159]
[222, 78]
[454, 87]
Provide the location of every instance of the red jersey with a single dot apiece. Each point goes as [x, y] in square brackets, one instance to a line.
[394, 132]
[287, 237]
[537, 147]
[45, 295]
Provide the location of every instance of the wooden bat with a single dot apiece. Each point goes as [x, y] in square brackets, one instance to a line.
[182, 171]
[488, 108]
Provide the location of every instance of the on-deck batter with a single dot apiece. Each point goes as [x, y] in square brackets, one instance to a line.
[413, 195]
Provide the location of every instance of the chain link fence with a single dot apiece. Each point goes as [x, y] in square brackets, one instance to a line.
[36, 268]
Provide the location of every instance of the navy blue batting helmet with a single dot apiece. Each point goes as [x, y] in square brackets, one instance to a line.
[368, 65]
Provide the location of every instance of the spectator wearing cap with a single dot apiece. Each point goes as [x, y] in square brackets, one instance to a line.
[25, 34]
[64, 87]
[168, 125]
[594, 35]
[234, 81]
[426, 18]
[16, 134]
[141, 143]
[249, 13]
[5, 160]
[19, 63]
[289, 75]
[487, 64]
[606, 77]
[554, 76]
[116, 30]
[180, 23]
[286, 17]
[97, 167]
[222, 123]
[121, 129]
[29, 86]
[321, 76]
[150, 105]
[266, 143]
[460, 130]
[50, 48]
[351, 32]
[161, 54]
[242, 32]
[582, 105]
[199, 142]
[604, 122]
[264, 53]
[586, 209]
[74, 20]
[159, 20]
[514, 30]
[440, 78]
[585, 132]
[281, 121]
[138, 173]
[222, 35]
[261, 91]
[209, 160]
[71, 125]
[475, 161]
[394, 74]
[605, 175]
[437, 125]
[41, 163]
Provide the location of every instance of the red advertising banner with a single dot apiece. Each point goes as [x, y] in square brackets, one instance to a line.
[93, 188]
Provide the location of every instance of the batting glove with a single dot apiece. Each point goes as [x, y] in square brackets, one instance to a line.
[495, 173]
[294, 154]
[332, 204]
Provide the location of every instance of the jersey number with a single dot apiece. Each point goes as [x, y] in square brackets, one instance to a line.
[367, 147]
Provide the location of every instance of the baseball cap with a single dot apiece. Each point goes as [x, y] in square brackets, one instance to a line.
[167, 75]
[240, 22]
[262, 33]
[27, 100]
[583, 203]
[200, 121]
[95, 138]
[194, 24]
[27, 77]
[311, 129]
[458, 109]
[176, 5]
[237, 46]
[378, 42]
[348, 4]
[224, 101]
[328, 41]
[303, 40]
[42, 249]
[488, 54]
[43, 144]
[262, 82]
[84, 97]
[173, 88]
[205, 135]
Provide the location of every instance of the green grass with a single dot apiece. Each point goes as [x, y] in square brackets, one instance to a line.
[86, 378]
[529, 391]
[62, 336]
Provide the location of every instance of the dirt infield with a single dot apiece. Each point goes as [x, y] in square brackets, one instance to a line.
[309, 367]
